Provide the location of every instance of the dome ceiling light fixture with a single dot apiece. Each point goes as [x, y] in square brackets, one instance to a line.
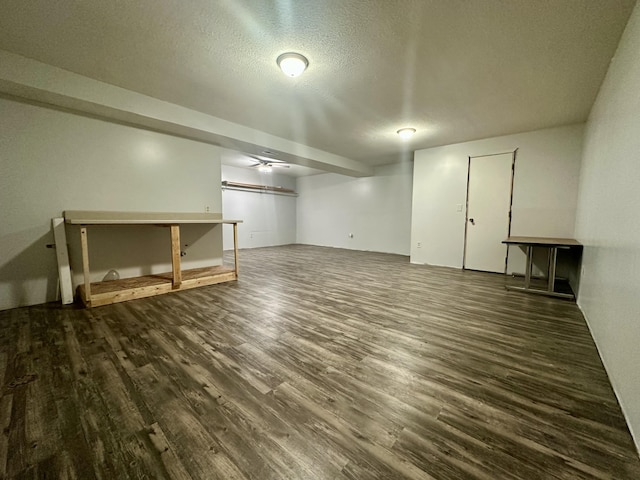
[406, 133]
[292, 64]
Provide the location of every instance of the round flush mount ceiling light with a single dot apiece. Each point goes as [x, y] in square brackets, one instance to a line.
[406, 133]
[292, 64]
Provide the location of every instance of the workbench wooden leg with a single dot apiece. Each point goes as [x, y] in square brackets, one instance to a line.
[235, 247]
[175, 256]
[84, 244]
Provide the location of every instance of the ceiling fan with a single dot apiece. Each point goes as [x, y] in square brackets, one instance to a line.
[266, 165]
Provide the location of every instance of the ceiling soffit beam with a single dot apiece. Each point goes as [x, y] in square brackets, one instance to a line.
[41, 83]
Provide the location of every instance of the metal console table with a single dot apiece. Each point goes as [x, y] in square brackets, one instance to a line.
[553, 244]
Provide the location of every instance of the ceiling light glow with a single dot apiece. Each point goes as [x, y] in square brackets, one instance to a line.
[265, 168]
[406, 133]
[292, 64]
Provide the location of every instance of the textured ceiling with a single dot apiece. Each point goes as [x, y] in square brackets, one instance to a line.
[456, 70]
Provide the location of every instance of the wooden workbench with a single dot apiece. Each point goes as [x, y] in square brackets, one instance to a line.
[114, 291]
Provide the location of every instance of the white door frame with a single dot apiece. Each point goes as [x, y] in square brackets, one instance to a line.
[466, 214]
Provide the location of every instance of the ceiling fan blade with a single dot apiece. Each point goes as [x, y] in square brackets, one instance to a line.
[279, 165]
[260, 159]
[256, 165]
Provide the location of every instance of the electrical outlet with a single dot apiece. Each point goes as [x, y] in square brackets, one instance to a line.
[419, 244]
[351, 235]
[206, 208]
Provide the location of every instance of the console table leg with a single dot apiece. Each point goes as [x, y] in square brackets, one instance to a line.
[529, 267]
[235, 248]
[553, 257]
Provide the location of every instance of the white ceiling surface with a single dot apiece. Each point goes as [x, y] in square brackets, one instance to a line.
[455, 70]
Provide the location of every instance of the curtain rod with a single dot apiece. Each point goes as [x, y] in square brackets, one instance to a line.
[258, 188]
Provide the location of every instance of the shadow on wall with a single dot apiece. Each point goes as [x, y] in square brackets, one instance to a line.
[31, 275]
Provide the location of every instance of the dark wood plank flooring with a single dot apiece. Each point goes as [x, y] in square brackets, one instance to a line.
[318, 363]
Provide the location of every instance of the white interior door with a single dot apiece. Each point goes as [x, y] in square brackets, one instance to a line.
[488, 206]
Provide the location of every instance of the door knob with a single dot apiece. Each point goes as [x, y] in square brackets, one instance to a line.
[472, 221]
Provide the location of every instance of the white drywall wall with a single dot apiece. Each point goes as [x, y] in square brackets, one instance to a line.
[268, 219]
[607, 223]
[376, 210]
[51, 161]
[544, 193]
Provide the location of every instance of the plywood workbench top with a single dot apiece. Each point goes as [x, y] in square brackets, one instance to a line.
[89, 217]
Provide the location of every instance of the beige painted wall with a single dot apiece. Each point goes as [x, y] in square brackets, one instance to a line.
[376, 210]
[608, 225]
[268, 219]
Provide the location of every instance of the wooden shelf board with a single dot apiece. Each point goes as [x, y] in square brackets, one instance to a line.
[88, 217]
[115, 291]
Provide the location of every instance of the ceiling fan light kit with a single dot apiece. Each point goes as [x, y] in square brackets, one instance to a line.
[266, 166]
[292, 64]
